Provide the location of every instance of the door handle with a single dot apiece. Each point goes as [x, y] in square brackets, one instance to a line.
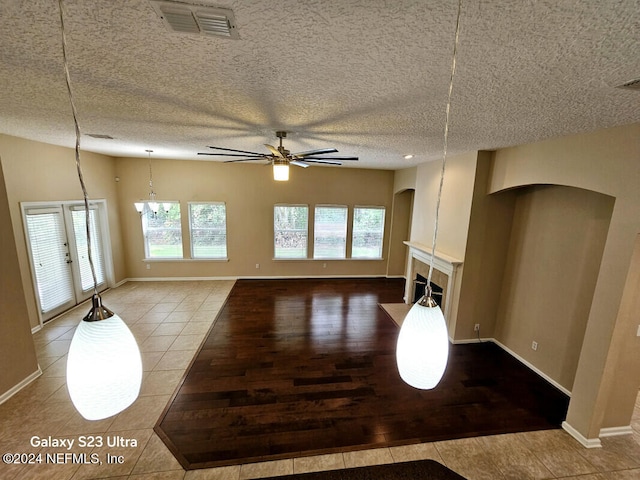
[69, 261]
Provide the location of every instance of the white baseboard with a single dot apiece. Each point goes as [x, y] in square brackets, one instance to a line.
[532, 367]
[120, 283]
[616, 431]
[175, 279]
[585, 442]
[517, 357]
[16, 388]
[310, 277]
[467, 341]
[245, 277]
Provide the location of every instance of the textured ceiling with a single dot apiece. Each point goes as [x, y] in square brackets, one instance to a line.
[369, 77]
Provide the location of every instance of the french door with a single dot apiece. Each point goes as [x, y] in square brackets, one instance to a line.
[57, 243]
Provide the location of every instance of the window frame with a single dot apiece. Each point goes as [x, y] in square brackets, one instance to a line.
[276, 256]
[353, 230]
[146, 215]
[192, 237]
[315, 231]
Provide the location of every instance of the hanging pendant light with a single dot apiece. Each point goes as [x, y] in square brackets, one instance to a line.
[153, 205]
[423, 344]
[422, 350]
[104, 367]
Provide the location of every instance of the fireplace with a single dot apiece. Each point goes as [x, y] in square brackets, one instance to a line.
[445, 279]
[420, 286]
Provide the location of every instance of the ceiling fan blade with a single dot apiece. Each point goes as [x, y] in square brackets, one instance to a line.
[230, 154]
[319, 151]
[324, 162]
[274, 150]
[245, 159]
[298, 163]
[330, 158]
[233, 150]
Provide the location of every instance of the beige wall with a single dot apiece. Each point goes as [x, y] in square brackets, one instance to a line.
[455, 205]
[405, 179]
[607, 162]
[624, 369]
[250, 194]
[485, 256]
[39, 172]
[400, 231]
[17, 352]
[552, 262]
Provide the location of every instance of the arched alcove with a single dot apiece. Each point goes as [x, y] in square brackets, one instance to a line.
[551, 264]
[400, 229]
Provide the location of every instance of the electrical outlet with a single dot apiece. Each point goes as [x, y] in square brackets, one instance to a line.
[148, 266]
[534, 345]
[257, 265]
[324, 265]
[476, 327]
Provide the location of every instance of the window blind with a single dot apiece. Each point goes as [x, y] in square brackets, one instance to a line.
[50, 256]
[330, 232]
[80, 234]
[208, 227]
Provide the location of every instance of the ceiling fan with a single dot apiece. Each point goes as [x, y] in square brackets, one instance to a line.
[281, 158]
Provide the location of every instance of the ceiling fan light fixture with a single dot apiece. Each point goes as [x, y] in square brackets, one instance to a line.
[280, 170]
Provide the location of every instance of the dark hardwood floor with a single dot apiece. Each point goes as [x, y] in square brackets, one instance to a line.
[304, 367]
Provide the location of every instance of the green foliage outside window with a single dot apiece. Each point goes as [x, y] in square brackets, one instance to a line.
[290, 228]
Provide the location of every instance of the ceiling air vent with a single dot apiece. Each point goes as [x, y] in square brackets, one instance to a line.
[197, 19]
[631, 85]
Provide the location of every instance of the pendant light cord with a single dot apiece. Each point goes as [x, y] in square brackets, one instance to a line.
[444, 153]
[152, 194]
[77, 150]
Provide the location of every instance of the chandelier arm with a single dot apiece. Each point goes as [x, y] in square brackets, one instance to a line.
[445, 143]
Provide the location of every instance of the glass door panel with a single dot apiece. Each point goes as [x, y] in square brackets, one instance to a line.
[82, 268]
[50, 260]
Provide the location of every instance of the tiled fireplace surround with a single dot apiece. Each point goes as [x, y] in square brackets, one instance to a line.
[446, 274]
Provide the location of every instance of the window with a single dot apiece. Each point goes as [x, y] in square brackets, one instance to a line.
[290, 231]
[368, 232]
[208, 227]
[162, 232]
[330, 231]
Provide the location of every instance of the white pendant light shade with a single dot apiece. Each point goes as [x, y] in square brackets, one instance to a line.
[281, 172]
[139, 206]
[423, 347]
[104, 368]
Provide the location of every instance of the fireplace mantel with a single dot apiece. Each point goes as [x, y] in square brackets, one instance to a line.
[446, 264]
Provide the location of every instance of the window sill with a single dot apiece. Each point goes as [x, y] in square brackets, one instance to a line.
[156, 260]
[326, 259]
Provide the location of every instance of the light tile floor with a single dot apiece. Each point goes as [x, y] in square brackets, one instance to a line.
[169, 320]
